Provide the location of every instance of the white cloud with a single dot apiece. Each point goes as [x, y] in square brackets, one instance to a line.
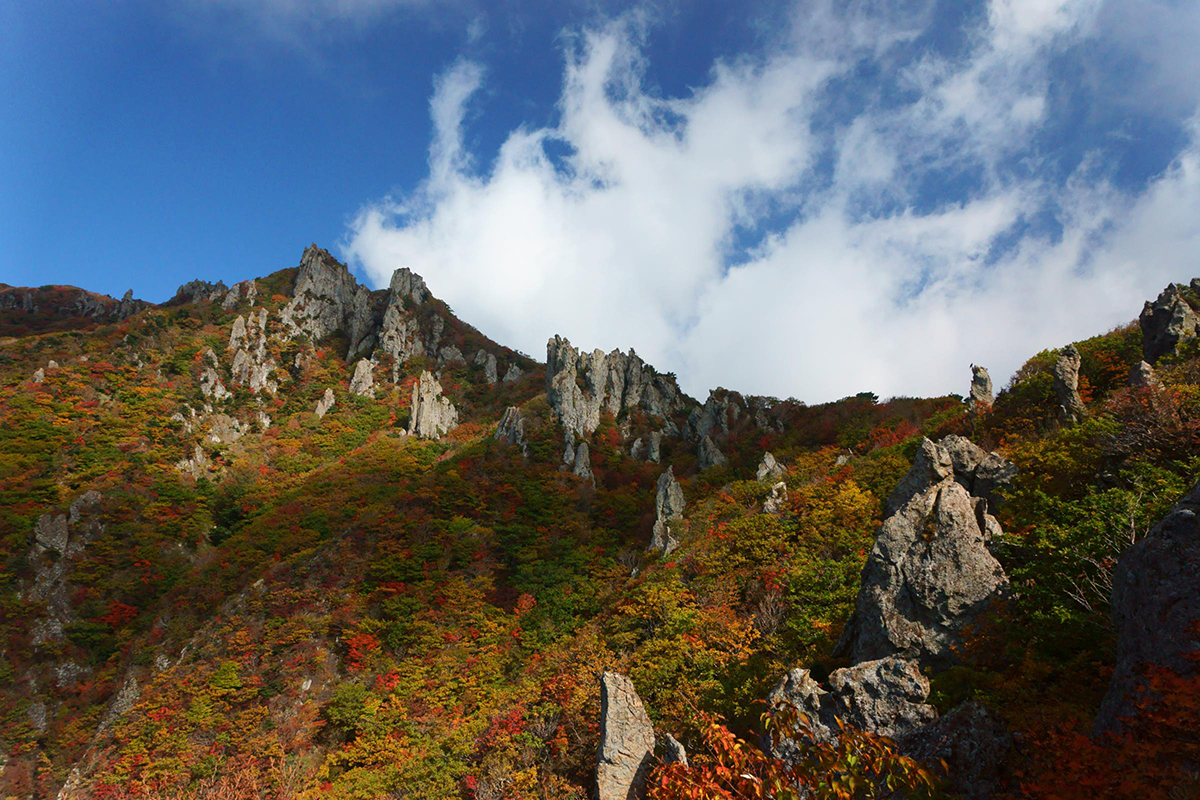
[630, 239]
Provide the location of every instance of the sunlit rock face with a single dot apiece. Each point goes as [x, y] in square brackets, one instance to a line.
[580, 386]
[930, 573]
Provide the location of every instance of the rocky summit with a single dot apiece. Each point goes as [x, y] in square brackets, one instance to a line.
[297, 538]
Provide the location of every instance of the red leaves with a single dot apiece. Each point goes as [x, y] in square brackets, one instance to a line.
[358, 648]
[119, 614]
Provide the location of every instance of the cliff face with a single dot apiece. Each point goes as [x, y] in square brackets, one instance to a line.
[322, 541]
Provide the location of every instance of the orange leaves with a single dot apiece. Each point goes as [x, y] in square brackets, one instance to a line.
[525, 604]
[859, 765]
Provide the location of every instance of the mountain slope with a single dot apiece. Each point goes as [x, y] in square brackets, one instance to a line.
[218, 584]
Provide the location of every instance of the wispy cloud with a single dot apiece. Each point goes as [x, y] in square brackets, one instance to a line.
[766, 233]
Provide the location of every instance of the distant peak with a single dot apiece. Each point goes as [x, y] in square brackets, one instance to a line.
[319, 258]
[406, 283]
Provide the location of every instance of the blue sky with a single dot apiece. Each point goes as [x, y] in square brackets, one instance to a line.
[794, 198]
[215, 140]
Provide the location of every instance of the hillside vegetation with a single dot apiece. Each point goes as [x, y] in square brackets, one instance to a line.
[219, 593]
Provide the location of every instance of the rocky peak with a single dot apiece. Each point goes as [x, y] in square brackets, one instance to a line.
[325, 403]
[195, 291]
[931, 466]
[401, 333]
[581, 386]
[252, 364]
[432, 415]
[1167, 322]
[1066, 385]
[17, 299]
[67, 302]
[327, 299]
[979, 397]
[362, 383]
[769, 469]
[626, 740]
[668, 505]
[724, 409]
[407, 284]
[247, 290]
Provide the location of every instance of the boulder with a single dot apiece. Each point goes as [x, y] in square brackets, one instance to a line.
[1167, 323]
[432, 415]
[974, 745]
[449, 354]
[1066, 385]
[488, 362]
[776, 499]
[325, 403]
[363, 381]
[39, 375]
[626, 740]
[798, 690]
[709, 455]
[582, 465]
[654, 452]
[513, 373]
[512, 428]
[673, 751]
[1156, 604]
[885, 697]
[929, 575]
[769, 469]
[979, 397]
[668, 505]
[1142, 375]
[581, 386]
